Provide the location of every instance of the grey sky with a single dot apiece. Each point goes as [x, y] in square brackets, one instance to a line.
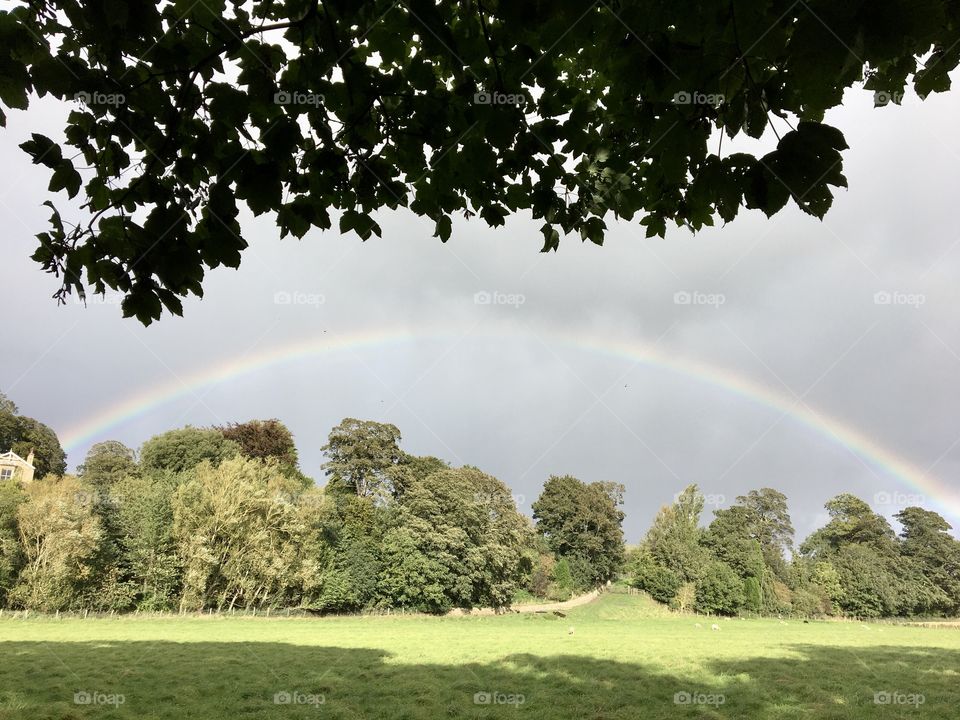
[493, 386]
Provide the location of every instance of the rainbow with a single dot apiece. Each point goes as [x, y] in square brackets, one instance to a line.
[646, 354]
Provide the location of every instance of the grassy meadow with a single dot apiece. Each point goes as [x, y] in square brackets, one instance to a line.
[619, 657]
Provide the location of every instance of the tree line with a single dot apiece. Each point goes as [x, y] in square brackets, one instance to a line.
[744, 560]
[223, 518]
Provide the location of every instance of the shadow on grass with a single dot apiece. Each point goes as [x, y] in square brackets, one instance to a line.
[210, 681]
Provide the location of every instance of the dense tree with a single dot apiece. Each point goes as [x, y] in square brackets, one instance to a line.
[240, 538]
[659, 582]
[262, 440]
[719, 590]
[145, 543]
[325, 113]
[186, 448]
[106, 463]
[11, 551]
[927, 546]
[364, 458]
[674, 539]
[768, 522]
[461, 528]
[24, 435]
[582, 522]
[354, 575]
[851, 521]
[60, 538]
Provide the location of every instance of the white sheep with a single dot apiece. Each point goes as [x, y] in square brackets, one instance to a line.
[714, 627]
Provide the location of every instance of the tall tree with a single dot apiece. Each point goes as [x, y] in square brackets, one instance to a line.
[583, 523]
[11, 551]
[24, 435]
[364, 458]
[926, 545]
[459, 542]
[335, 111]
[61, 538]
[240, 537]
[769, 523]
[674, 538]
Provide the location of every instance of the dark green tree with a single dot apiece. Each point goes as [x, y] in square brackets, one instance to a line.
[321, 113]
[263, 439]
[186, 448]
[659, 582]
[583, 523]
[927, 547]
[719, 590]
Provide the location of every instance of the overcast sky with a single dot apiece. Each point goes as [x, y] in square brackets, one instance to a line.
[520, 386]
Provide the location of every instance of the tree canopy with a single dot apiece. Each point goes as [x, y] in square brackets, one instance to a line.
[322, 112]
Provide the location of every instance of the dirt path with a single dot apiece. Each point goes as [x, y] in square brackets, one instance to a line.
[539, 608]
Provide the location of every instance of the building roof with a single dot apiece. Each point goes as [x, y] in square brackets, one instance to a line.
[12, 457]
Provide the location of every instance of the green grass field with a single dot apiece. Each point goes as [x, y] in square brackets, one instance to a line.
[624, 659]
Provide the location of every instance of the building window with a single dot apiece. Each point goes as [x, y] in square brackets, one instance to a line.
[6, 473]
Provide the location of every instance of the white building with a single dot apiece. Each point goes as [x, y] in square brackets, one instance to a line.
[14, 467]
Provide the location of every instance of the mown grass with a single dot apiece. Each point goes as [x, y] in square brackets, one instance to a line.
[625, 658]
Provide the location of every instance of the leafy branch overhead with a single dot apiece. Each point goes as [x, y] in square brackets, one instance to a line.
[183, 111]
